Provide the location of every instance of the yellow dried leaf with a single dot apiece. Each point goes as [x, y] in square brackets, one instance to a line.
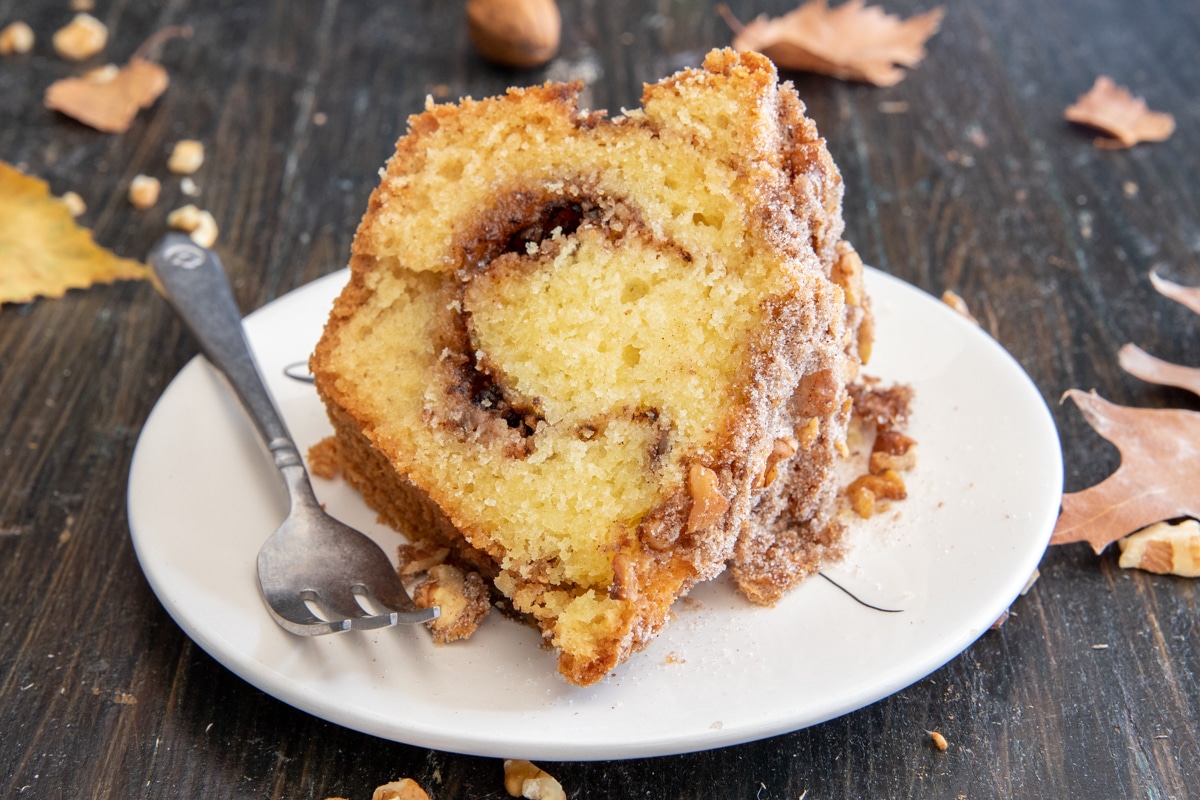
[109, 106]
[853, 42]
[42, 251]
[1113, 110]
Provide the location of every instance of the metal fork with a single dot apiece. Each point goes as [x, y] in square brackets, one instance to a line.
[311, 558]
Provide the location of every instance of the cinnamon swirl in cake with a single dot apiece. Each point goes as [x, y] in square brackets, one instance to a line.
[599, 359]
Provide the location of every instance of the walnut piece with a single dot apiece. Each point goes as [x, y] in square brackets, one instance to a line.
[82, 38]
[462, 598]
[708, 504]
[197, 224]
[405, 789]
[892, 451]
[625, 580]
[74, 203]
[848, 274]
[16, 39]
[186, 157]
[143, 191]
[783, 449]
[523, 779]
[806, 434]
[884, 407]
[1164, 548]
[866, 489]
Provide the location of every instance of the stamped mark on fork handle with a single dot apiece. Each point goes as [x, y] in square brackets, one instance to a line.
[184, 256]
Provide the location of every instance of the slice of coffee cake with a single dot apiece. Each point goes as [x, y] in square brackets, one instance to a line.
[599, 359]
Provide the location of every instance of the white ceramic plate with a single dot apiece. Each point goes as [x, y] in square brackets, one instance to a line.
[982, 503]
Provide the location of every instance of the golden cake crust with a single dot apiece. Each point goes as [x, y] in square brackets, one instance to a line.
[519, 366]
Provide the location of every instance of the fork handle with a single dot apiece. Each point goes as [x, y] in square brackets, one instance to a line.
[194, 282]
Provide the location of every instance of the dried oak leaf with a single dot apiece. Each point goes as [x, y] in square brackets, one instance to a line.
[1140, 364]
[1113, 110]
[1186, 296]
[109, 106]
[955, 301]
[852, 42]
[1159, 476]
[42, 250]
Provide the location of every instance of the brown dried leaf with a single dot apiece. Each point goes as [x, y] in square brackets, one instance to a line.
[851, 42]
[1160, 451]
[1187, 296]
[1142, 365]
[1113, 110]
[42, 250]
[110, 106]
[955, 301]
[1159, 476]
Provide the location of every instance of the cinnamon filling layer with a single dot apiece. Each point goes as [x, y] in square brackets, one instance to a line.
[523, 233]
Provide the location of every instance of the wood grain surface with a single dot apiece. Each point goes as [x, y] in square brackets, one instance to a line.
[964, 176]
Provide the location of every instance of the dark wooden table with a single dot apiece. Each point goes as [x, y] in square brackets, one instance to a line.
[979, 186]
